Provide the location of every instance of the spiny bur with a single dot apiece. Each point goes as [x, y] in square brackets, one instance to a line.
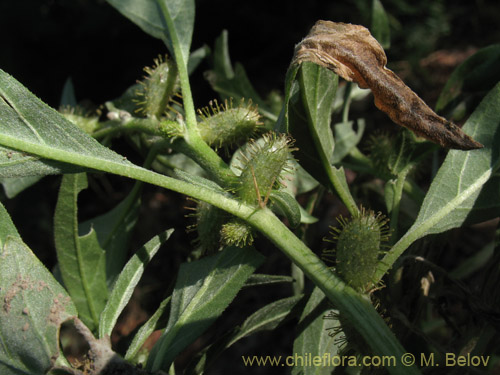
[157, 88]
[261, 167]
[359, 243]
[223, 124]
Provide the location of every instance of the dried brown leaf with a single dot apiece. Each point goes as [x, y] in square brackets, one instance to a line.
[354, 54]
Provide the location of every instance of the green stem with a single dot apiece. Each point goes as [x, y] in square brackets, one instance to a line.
[206, 158]
[197, 148]
[187, 97]
[336, 177]
[396, 200]
[347, 102]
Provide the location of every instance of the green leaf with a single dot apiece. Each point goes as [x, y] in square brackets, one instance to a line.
[466, 188]
[346, 138]
[7, 227]
[26, 123]
[146, 330]
[81, 259]
[127, 281]
[307, 116]
[15, 164]
[68, 96]
[203, 290]
[476, 75]
[263, 279]
[14, 185]
[318, 87]
[148, 15]
[287, 206]
[33, 307]
[197, 57]
[380, 24]
[114, 230]
[314, 338]
[460, 186]
[266, 318]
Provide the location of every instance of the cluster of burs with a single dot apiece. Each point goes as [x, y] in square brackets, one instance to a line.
[260, 162]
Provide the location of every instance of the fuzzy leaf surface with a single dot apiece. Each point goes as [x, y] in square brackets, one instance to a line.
[203, 290]
[314, 335]
[114, 230]
[33, 307]
[82, 261]
[127, 281]
[463, 189]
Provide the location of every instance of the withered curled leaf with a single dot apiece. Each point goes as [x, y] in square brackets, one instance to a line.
[354, 54]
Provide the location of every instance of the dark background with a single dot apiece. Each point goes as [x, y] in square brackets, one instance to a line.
[43, 42]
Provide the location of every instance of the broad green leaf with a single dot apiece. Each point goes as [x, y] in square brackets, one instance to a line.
[81, 259]
[16, 164]
[127, 281]
[202, 291]
[26, 123]
[476, 75]
[307, 116]
[294, 120]
[33, 307]
[318, 87]
[466, 188]
[460, 186]
[148, 15]
[380, 24]
[114, 230]
[315, 336]
[146, 330]
[7, 227]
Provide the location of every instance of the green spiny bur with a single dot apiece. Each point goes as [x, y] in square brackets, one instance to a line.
[236, 232]
[359, 247]
[262, 167]
[209, 221]
[158, 87]
[223, 125]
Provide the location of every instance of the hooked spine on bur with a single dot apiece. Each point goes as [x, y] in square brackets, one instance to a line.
[354, 54]
[223, 124]
[359, 243]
